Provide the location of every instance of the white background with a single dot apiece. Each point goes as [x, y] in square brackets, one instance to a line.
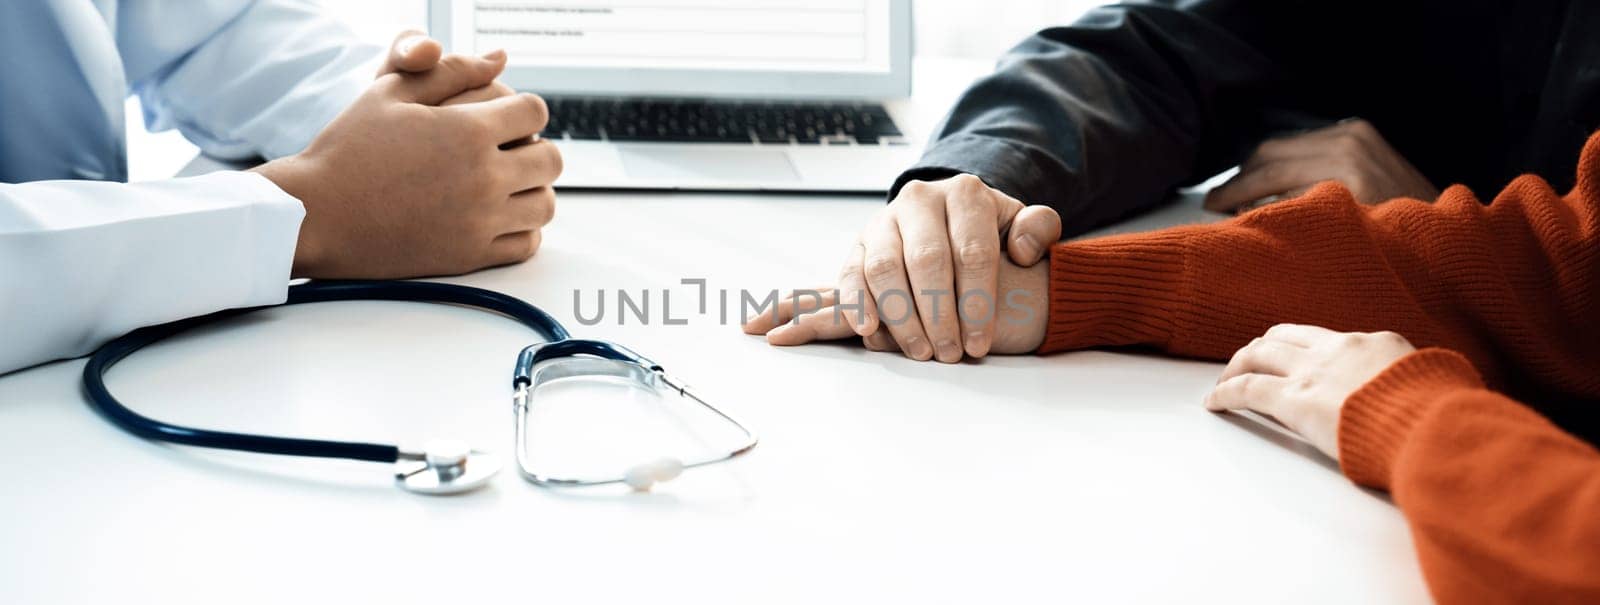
[946, 28]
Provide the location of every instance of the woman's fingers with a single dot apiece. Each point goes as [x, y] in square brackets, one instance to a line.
[1263, 356]
[822, 324]
[1255, 392]
[797, 302]
[1298, 334]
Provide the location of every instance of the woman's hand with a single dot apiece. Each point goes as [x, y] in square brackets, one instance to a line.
[1301, 376]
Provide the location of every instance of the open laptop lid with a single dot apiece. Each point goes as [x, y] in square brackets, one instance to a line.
[835, 49]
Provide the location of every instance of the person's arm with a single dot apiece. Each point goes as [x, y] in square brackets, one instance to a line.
[81, 262]
[1510, 284]
[1110, 114]
[1503, 505]
[242, 79]
[461, 187]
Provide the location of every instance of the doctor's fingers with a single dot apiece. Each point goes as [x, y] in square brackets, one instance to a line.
[786, 307]
[528, 166]
[453, 75]
[530, 210]
[885, 269]
[514, 248]
[974, 217]
[480, 94]
[930, 269]
[505, 119]
[411, 51]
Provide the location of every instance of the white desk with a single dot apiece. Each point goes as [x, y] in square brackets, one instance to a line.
[1085, 477]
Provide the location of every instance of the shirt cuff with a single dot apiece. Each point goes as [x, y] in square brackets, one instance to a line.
[277, 216]
[1001, 165]
[1378, 418]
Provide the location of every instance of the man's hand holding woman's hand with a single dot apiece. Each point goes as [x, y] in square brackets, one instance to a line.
[435, 170]
[949, 268]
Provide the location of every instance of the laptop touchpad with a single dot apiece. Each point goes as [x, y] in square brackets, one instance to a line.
[678, 163]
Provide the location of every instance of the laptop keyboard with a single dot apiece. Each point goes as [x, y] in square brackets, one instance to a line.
[720, 121]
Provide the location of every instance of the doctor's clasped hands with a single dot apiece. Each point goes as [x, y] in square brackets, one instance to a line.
[436, 169]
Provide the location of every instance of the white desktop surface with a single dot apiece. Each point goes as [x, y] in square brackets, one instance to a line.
[1083, 477]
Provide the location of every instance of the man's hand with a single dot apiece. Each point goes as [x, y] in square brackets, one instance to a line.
[1018, 326]
[1300, 376]
[935, 240]
[430, 172]
[1351, 152]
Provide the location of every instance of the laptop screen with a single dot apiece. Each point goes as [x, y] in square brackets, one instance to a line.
[813, 36]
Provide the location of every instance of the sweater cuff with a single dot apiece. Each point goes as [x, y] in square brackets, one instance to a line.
[1378, 418]
[1116, 291]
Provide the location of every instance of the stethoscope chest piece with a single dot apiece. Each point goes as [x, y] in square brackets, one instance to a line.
[445, 467]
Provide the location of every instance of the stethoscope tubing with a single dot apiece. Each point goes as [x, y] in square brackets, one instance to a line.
[318, 291]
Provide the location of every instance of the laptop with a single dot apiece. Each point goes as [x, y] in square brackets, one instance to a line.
[753, 95]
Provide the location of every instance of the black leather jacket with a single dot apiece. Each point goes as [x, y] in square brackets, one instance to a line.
[1108, 116]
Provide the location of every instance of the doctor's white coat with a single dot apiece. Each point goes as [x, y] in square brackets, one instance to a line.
[85, 256]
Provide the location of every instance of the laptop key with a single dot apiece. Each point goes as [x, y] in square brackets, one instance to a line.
[717, 120]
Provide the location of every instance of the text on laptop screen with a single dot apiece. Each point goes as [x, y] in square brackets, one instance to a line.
[842, 36]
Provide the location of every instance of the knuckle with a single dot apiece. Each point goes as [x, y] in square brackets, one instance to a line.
[1303, 385]
[476, 128]
[1360, 127]
[913, 190]
[1348, 144]
[883, 267]
[968, 183]
[1250, 386]
[928, 258]
[977, 257]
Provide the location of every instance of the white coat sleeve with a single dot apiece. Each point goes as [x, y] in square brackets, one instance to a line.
[242, 78]
[82, 262]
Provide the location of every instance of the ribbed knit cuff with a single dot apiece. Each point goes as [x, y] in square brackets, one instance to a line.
[1379, 417]
[1116, 291]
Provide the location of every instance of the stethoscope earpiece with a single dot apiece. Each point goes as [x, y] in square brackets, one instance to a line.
[646, 475]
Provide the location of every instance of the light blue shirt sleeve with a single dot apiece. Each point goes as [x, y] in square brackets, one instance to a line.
[241, 79]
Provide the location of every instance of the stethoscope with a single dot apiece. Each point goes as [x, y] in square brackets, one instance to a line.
[444, 466]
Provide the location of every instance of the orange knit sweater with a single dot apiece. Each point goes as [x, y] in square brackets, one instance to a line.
[1504, 506]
